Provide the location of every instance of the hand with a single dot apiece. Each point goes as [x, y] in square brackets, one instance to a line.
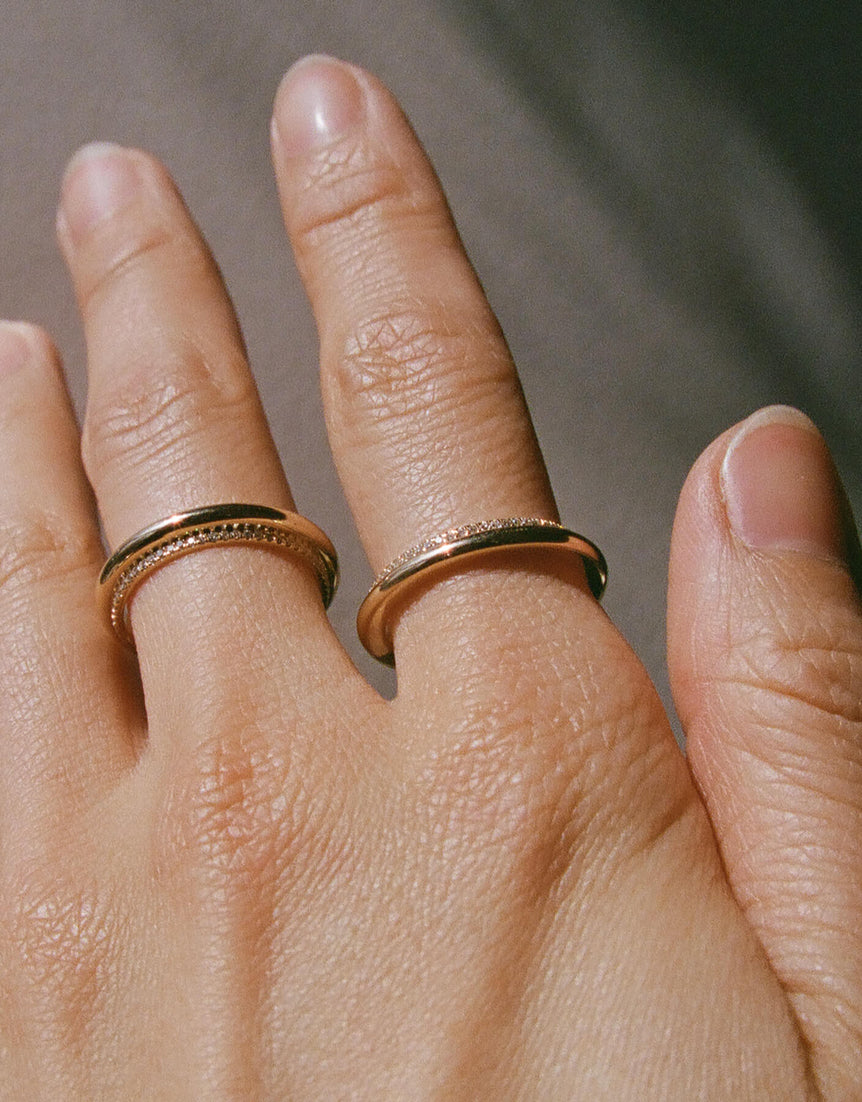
[231, 871]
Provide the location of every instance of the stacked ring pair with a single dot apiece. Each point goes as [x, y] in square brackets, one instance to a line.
[290, 533]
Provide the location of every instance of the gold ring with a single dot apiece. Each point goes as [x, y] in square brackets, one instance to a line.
[392, 585]
[212, 525]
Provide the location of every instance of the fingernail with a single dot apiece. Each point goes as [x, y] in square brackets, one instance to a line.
[15, 348]
[319, 100]
[100, 180]
[781, 489]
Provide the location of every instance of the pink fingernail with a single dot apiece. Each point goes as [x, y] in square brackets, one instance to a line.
[781, 489]
[15, 348]
[99, 181]
[319, 100]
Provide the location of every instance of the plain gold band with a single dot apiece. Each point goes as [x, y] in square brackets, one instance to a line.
[211, 526]
[468, 542]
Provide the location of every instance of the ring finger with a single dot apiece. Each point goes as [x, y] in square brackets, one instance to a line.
[173, 418]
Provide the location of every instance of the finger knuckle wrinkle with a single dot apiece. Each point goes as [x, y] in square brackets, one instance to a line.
[231, 819]
[153, 412]
[818, 673]
[240, 817]
[235, 831]
[64, 940]
[138, 249]
[345, 188]
[407, 361]
[37, 549]
[506, 783]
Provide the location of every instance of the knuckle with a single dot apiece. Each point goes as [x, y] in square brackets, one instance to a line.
[38, 549]
[500, 774]
[496, 803]
[234, 812]
[148, 415]
[400, 364]
[529, 782]
[238, 817]
[816, 670]
[62, 938]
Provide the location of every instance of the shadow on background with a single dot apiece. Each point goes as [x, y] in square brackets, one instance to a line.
[794, 69]
[725, 141]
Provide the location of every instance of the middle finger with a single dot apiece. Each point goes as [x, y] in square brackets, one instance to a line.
[427, 421]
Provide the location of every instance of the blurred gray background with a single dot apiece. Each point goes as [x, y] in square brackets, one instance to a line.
[661, 201]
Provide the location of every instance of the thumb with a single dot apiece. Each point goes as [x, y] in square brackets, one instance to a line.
[765, 655]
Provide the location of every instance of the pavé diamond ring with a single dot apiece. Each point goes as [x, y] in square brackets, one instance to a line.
[470, 541]
[212, 525]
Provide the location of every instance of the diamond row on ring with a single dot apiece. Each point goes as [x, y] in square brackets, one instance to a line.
[197, 537]
[464, 531]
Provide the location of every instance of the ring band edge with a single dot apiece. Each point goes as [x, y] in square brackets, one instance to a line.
[489, 536]
[213, 525]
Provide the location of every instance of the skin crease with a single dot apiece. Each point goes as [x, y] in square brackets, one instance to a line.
[229, 870]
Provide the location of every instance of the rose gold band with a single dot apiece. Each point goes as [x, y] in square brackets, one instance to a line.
[468, 542]
[212, 525]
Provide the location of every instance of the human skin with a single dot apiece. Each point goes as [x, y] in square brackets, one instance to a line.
[230, 870]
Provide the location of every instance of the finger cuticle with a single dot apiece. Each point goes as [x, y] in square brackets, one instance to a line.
[16, 349]
[318, 102]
